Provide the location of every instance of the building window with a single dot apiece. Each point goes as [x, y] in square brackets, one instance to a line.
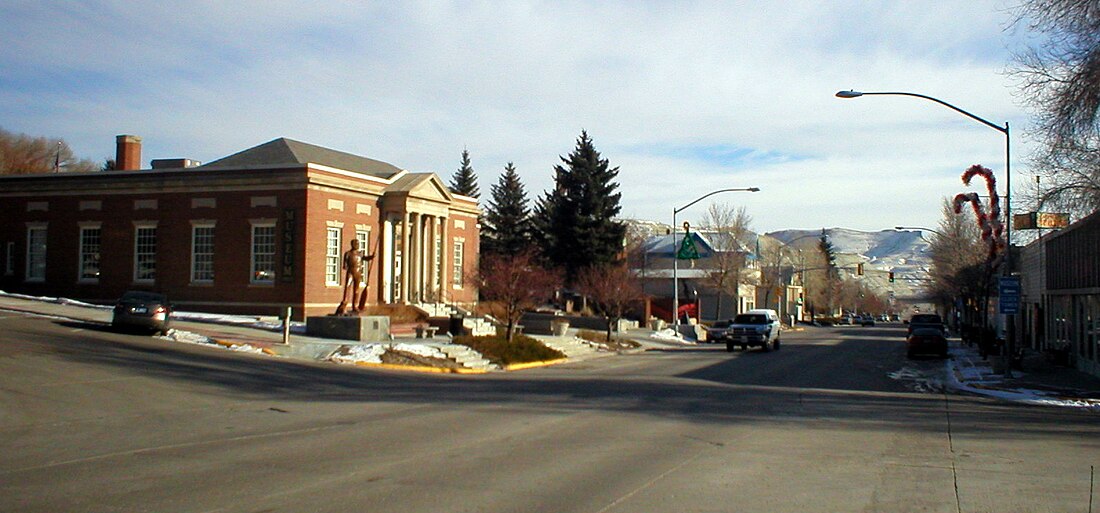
[456, 264]
[202, 253]
[145, 253]
[364, 246]
[332, 257]
[263, 253]
[36, 253]
[89, 253]
[9, 265]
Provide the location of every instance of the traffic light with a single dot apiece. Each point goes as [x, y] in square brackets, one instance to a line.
[891, 275]
[859, 269]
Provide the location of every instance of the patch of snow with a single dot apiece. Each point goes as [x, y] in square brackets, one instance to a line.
[367, 353]
[670, 335]
[418, 349]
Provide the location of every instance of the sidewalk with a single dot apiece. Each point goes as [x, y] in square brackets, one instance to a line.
[264, 335]
[1040, 382]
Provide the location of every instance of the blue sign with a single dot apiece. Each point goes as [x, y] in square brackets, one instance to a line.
[1010, 290]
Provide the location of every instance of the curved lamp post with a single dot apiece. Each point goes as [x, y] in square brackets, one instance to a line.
[1001, 129]
[920, 228]
[676, 249]
[1008, 186]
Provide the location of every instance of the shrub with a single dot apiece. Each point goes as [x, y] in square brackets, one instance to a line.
[522, 349]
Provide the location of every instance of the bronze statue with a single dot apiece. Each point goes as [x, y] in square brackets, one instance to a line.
[353, 274]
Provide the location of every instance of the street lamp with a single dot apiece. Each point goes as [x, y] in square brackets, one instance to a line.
[920, 228]
[1001, 129]
[676, 248]
[1008, 186]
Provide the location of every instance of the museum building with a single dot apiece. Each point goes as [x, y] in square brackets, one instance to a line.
[254, 232]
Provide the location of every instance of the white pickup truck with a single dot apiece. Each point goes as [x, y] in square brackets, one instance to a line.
[754, 328]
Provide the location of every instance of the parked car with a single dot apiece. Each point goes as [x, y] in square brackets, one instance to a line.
[142, 310]
[756, 328]
[716, 332]
[918, 321]
[926, 341]
[866, 320]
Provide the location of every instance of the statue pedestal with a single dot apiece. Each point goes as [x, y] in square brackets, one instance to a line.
[367, 328]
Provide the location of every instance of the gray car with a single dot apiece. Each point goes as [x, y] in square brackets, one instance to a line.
[142, 310]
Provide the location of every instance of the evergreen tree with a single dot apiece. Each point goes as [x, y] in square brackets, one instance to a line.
[576, 221]
[507, 229]
[464, 181]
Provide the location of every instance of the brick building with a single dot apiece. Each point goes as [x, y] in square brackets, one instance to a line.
[253, 232]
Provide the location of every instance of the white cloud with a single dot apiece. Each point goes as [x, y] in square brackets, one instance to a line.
[413, 83]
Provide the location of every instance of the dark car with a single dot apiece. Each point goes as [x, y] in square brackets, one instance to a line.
[926, 341]
[918, 321]
[142, 310]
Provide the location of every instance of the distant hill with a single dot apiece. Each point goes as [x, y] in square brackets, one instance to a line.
[903, 252]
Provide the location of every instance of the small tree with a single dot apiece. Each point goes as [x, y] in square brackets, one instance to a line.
[507, 227]
[727, 267]
[513, 284]
[464, 181]
[612, 288]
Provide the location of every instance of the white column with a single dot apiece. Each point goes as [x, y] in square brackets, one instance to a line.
[405, 258]
[385, 259]
[445, 271]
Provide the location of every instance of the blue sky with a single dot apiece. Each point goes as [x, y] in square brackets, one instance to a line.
[684, 97]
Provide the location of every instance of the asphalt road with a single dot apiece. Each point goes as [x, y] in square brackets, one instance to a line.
[92, 420]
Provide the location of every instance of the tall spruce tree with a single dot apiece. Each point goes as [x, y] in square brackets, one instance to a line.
[464, 181]
[575, 221]
[507, 229]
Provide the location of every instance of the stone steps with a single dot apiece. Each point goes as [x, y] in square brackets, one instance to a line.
[467, 357]
[572, 347]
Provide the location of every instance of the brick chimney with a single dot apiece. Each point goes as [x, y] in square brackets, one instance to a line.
[128, 153]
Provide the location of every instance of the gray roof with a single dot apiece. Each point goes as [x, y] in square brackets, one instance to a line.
[283, 151]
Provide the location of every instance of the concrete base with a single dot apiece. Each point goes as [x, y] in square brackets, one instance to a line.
[368, 328]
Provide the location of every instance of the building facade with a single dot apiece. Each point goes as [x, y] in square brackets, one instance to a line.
[254, 232]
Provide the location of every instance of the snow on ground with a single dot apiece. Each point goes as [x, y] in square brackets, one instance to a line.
[670, 335]
[56, 300]
[967, 372]
[188, 337]
[372, 353]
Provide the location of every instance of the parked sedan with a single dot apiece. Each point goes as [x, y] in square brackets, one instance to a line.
[926, 341]
[144, 310]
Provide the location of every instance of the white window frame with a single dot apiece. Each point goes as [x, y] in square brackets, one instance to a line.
[89, 252]
[206, 256]
[257, 258]
[458, 252]
[143, 232]
[36, 260]
[363, 236]
[332, 256]
[9, 262]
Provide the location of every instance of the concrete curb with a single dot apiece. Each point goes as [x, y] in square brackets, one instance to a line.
[532, 365]
[421, 368]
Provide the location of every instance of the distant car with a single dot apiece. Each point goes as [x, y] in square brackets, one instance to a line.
[867, 320]
[926, 341]
[142, 310]
[844, 319]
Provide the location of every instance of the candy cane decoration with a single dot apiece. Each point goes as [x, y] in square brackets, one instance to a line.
[991, 224]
